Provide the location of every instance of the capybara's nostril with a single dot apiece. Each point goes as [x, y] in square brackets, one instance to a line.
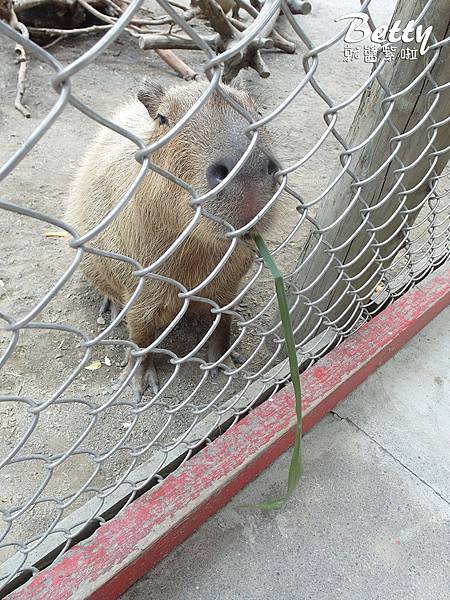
[216, 173]
[273, 166]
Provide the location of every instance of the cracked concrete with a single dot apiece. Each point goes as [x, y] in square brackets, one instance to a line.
[348, 420]
[407, 402]
[371, 518]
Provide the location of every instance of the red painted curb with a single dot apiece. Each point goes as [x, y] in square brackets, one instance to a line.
[128, 546]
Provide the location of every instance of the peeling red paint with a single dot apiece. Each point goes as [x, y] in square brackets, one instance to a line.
[124, 549]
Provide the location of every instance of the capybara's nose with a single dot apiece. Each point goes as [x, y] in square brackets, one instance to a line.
[273, 166]
[257, 165]
[217, 172]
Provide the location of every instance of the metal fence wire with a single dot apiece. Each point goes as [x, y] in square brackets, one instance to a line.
[378, 226]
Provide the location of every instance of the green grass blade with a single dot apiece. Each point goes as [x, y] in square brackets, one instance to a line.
[296, 466]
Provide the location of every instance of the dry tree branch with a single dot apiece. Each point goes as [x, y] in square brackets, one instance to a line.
[135, 28]
[91, 9]
[176, 63]
[178, 42]
[169, 57]
[228, 29]
[135, 23]
[230, 33]
[280, 41]
[62, 33]
[23, 5]
[21, 57]
[218, 20]
[22, 61]
[177, 5]
[55, 41]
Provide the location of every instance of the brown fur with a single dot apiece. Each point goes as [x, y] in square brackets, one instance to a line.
[160, 209]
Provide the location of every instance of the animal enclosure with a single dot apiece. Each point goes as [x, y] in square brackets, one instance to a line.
[361, 132]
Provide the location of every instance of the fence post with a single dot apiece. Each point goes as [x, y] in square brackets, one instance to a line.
[365, 218]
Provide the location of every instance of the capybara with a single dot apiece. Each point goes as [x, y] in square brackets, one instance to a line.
[202, 154]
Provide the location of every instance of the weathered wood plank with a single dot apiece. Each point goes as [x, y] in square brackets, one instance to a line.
[367, 239]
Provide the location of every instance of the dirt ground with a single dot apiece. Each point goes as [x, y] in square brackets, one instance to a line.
[31, 263]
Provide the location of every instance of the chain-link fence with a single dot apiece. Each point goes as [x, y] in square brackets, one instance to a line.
[351, 232]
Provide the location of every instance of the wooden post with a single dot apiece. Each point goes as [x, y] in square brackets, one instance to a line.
[371, 217]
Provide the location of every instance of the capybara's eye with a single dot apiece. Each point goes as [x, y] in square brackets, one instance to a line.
[162, 119]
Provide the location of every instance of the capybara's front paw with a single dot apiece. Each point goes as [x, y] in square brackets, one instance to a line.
[144, 376]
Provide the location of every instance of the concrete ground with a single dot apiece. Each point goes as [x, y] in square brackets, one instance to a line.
[371, 518]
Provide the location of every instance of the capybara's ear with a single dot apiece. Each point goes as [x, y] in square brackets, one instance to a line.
[151, 95]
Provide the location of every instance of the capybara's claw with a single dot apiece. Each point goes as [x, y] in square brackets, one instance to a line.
[224, 366]
[108, 305]
[151, 379]
[238, 359]
[104, 306]
[145, 375]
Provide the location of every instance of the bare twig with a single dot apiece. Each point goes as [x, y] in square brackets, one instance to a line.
[121, 5]
[171, 42]
[228, 30]
[108, 19]
[240, 26]
[191, 13]
[249, 8]
[21, 59]
[23, 5]
[177, 64]
[282, 43]
[178, 5]
[101, 16]
[279, 41]
[187, 16]
[218, 20]
[135, 28]
[231, 31]
[53, 42]
[163, 51]
[260, 66]
[62, 33]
